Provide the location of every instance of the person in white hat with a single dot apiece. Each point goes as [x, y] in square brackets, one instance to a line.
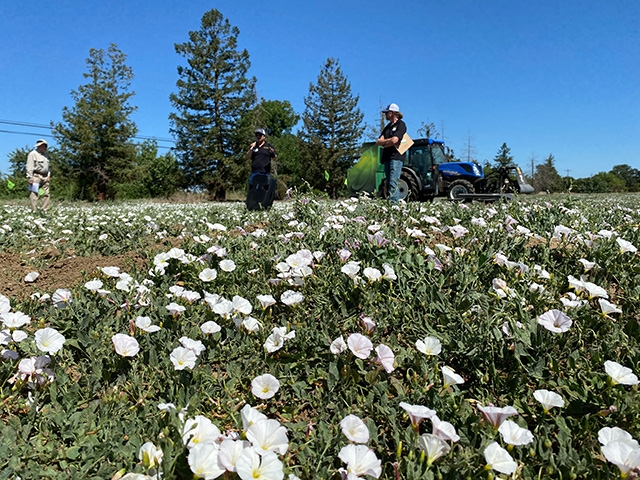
[389, 140]
[39, 175]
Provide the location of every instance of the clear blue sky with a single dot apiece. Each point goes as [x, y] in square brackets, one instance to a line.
[546, 77]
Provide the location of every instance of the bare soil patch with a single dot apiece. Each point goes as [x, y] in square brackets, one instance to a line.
[57, 272]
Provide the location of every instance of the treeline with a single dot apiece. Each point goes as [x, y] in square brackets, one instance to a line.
[216, 110]
[545, 178]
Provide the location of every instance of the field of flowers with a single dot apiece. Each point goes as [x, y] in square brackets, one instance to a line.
[322, 340]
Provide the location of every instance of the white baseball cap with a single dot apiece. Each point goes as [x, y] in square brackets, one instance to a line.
[41, 142]
[391, 108]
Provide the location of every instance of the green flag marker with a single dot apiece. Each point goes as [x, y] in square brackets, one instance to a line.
[326, 175]
[10, 184]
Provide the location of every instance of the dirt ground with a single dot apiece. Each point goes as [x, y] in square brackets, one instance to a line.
[56, 271]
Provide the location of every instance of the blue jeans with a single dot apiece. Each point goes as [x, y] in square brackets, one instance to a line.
[392, 170]
[255, 174]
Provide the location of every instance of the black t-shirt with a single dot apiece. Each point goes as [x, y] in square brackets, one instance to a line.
[397, 129]
[261, 158]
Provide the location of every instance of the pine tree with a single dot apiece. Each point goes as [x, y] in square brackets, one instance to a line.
[213, 94]
[503, 158]
[95, 135]
[332, 129]
[546, 177]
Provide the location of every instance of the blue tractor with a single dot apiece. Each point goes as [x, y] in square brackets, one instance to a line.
[427, 173]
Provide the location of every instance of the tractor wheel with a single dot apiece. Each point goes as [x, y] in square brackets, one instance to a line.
[460, 187]
[407, 186]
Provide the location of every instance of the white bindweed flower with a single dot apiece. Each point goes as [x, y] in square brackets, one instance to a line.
[608, 307]
[555, 321]
[429, 346]
[227, 265]
[13, 320]
[274, 342]
[372, 274]
[5, 304]
[498, 459]
[359, 345]
[208, 275]
[616, 434]
[196, 346]
[620, 374]
[49, 340]
[199, 430]
[513, 434]
[338, 346]
[150, 455]
[433, 446]
[210, 327]
[351, 269]
[265, 386]
[268, 435]
[623, 455]
[125, 345]
[241, 305]
[450, 377]
[360, 460]
[625, 246]
[182, 358]
[417, 413]
[389, 273]
[548, 399]
[291, 298]
[31, 277]
[230, 451]
[110, 271]
[250, 416]
[61, 297]
[369, 324]
[252, 466]
[354, 429]
[203, 461]
[266, 300]
[496, 415]
[251, 325]
[93, 285]
[445, 430]
[144, 323]
[385, 357]
[175, 309]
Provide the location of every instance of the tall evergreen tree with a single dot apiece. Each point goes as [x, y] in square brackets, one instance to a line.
[213, 94]
[332, 129]
[95, 135]
[546, 178]
[503, 158]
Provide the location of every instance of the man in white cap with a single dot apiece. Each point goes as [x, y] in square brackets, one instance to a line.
[389, 140]
[39, 175]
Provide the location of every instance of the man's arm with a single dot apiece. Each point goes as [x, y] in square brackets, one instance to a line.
[250, 151]
[31, 163]
[388, 142]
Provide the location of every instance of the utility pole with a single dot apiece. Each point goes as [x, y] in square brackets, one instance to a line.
[568, 172]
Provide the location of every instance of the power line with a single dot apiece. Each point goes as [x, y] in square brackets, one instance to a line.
[51, 136]
[48, 127]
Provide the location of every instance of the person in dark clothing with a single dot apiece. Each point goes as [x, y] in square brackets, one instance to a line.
[261, 153]
[389, 140]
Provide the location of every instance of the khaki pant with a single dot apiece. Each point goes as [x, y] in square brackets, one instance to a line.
[44, 188]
